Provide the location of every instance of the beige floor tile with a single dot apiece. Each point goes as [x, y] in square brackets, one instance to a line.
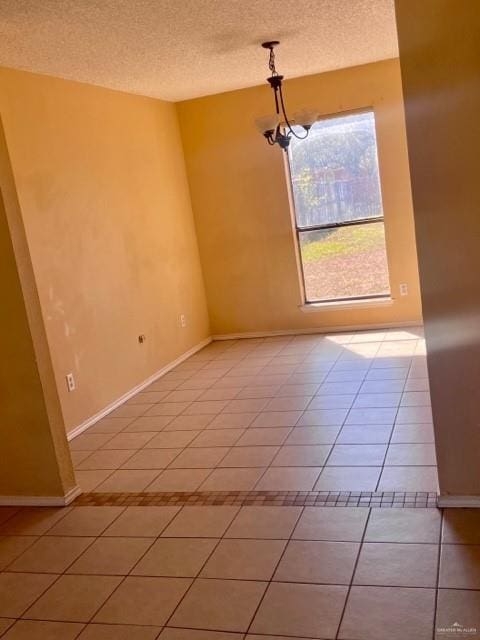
[212, 407]
[232, 479]
[244, 559]
[199, 458]
[89, 480]
[89, 441]
[220, 605]
[301, 456]
[19, 590]
[11, 547]
[463, 607]
[323, 418]
[249, 457]
[413, 433]
[183, 395]
[415, 399]
[217, 438]
[40, 630]
[168, 409]
[289, 403]
[148, 397]
[289, 479]
[353, 455]
[410, 415]
[86, 521]
[277, 419]
[130, 410]
[371, 416]
[106, 459]
[179, 480]
[376, 400]
[264, 522]
[232, 421]
[110, 425]
[403, 525]
[318, 562]
[151, 459]
[129, 440]
[175, 557]
[118, 632]
[199, 634]
[332, 402]
[312, 435]
[111, 556]
[51, 554]
[143, 601]
[461, 526]
[128, 480]
[396, 564]
[79, 456]
[348, 479]
[340, 388]
[256, 437]
[364, 434]
[142, 521]
[408, 479]
[172, 439]
[382, 386]
[460, 566]
[417, 384]
[247, 405]
[300, 610]
[221, 394]
[148, 423]
[201, 522]
[331, 523]
[287, 390]
[411, 454]
[377, 613]
[73, 598]
[189, 423]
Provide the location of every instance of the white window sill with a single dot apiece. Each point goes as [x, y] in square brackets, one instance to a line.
[316, 307]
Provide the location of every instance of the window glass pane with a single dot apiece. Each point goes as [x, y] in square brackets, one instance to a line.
[335, 171]
[344, 262]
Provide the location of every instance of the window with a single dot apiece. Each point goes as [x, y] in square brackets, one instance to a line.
[338, 210]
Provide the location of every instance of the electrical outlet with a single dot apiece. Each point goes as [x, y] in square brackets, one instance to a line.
[404, 289]
[183, 320]
[70, 381]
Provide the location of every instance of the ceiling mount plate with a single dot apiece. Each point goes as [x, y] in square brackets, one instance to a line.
[271, 44]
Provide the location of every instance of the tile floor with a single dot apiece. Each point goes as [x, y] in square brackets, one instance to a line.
[238, 573]
[341, 412]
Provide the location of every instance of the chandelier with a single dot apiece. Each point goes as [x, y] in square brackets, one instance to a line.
[278, 128]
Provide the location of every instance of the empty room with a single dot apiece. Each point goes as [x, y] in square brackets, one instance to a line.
[240, 335]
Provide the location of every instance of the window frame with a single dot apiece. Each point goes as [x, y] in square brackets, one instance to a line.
[333, 225]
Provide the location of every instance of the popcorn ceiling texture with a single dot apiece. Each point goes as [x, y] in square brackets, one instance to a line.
[181, 49]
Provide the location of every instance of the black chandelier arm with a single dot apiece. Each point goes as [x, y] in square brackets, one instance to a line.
[284, 111]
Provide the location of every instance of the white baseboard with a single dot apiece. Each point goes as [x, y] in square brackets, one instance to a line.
[40, 501]
[320, 330]
[450, 502]
[76, 431]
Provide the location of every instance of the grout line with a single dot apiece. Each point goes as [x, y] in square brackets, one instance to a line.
[360, 547]
[437, 582]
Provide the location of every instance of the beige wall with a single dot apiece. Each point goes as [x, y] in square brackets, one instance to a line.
[242, 214]
[104, 196]
[32, 432]
[439, 55]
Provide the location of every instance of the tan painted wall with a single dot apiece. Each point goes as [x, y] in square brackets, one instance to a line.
[440, 55]
[103, 191]
[32, 431]
[242, 214]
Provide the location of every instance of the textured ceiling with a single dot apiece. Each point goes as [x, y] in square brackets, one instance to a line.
[179, 49]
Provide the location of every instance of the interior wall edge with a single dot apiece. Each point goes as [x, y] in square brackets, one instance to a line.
[41, 501]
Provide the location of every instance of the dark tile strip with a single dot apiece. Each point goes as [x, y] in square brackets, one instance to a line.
[392, 499]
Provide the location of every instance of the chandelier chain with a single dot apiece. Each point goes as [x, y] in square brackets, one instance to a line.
[271, 62]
